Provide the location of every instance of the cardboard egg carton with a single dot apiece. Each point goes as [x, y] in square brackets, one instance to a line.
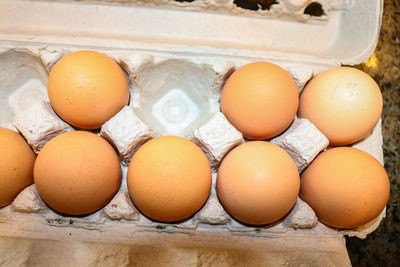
[294, 9]
[156, 43]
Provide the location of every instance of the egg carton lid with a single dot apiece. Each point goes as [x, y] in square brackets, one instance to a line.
[348, 34]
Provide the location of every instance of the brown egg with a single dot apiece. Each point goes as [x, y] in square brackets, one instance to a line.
[258, 183]
[87, 88]
[346, 187]
[169, 178]
[77, 173]
[16, 165]
[260, 99]
[344, 103]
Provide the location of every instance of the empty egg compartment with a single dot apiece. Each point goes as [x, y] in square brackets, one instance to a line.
[23, 80]
[170, 95]
[175, 96]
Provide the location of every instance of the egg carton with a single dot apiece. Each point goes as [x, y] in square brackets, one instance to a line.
[300, 10]
[35, 119]
[197, 68]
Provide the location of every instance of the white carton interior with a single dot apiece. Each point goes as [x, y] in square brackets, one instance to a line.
[197, 38]
[348, 36]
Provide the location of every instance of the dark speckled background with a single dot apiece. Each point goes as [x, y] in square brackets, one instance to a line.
[382, 247]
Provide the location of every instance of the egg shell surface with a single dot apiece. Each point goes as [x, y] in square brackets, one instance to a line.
[260, 99]
[346, 187]
[87, 88]
[169, 178]
[258, 183]
[77, 173]
[16, 165]
[344, 103]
